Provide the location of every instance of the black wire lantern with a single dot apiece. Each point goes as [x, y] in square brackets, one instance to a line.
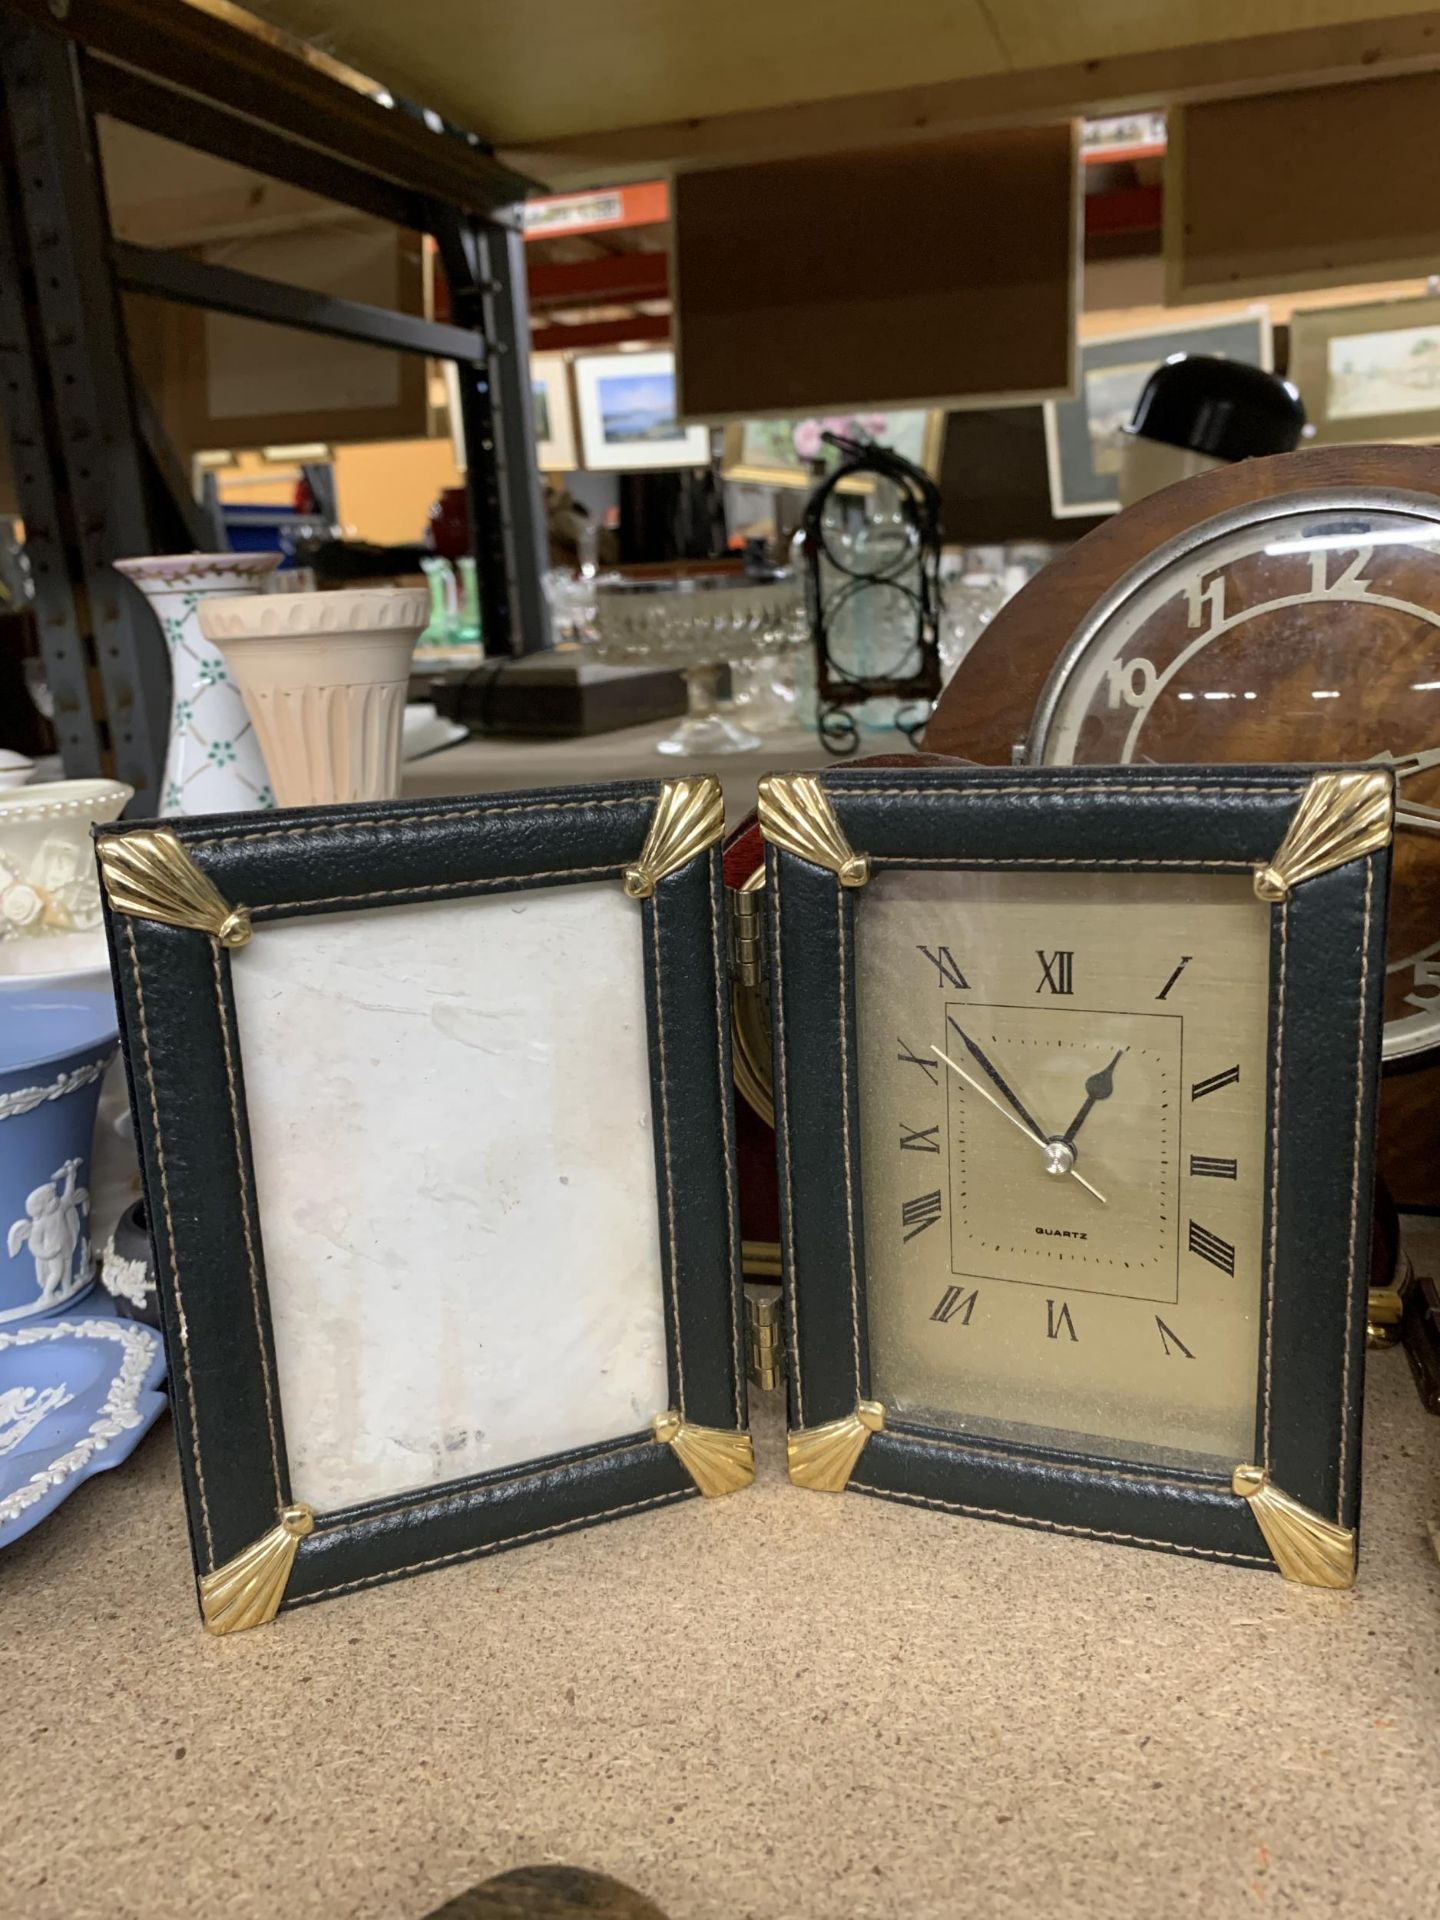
[874, 608]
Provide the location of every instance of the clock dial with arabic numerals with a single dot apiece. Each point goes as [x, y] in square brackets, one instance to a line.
[1063, 1095]
[1291, 632]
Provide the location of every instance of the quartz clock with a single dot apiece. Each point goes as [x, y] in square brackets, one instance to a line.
[1074, 1082]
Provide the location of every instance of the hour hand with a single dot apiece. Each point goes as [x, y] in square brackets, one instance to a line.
[993, 1073]
[1099, 1086]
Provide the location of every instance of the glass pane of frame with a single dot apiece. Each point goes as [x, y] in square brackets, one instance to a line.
[463, 1261]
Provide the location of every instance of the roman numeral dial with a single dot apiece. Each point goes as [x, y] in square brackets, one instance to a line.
[1062, 1075]
[1212, 1247]
[1057, 971]
[1209, 1166]
[918, 1214]
[1217, 1082]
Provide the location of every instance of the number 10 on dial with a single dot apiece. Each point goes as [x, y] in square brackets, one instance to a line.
[1076, 1077]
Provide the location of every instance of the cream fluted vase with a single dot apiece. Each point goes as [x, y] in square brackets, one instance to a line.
[324, 678]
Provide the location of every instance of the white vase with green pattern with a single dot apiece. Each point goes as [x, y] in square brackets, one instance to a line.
[213, 763]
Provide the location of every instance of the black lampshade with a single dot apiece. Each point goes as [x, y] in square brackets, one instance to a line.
[1222, 408]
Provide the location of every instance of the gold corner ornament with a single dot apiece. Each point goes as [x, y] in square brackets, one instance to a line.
[1309, 1550]
[823, 1458]
[247, 1591]
[1340, 817]
[718, 1459]
[795, 813]
[149, 874]
[689, 816]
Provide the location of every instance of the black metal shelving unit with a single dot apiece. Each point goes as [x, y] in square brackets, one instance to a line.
[95, 478]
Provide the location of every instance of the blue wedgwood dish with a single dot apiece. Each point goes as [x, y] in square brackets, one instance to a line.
[77, 1395]
[54, 1049]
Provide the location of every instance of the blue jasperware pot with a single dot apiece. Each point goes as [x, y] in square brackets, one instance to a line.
[54, 1049]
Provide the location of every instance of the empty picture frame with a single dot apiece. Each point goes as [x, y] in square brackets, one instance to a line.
[433, 1106]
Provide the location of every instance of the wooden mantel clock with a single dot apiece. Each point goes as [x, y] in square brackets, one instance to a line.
[1285, 609]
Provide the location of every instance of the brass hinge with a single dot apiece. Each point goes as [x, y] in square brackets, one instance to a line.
[1385, 1310]
[747, 936]
[764, 1338]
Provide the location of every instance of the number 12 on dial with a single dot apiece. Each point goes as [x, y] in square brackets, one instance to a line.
[1072, 1071]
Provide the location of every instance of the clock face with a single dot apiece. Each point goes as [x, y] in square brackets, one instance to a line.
[1281, 634]
[1063, 1094]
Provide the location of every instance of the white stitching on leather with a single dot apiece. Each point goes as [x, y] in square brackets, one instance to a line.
[674, 1272]
[1355, 1189]
[170, 1237]
[840, 947]
[447, 1490]
[250, 1262]
[268, 909]
[997, 1450]
[733, 1281]
[412, 820]
[1127, 786]
[782, 1130]
[1059, 1526]
[1038, 860]
[1276, 1082]
[490, 1546]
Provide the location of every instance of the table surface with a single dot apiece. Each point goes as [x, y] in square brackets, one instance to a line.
[493, 763]
[777, 1706]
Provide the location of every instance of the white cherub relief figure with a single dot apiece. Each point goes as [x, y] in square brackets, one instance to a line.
[23, 1408]
[55, 1228]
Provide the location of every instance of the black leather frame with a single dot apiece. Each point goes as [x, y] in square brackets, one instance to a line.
[1327, 972]
[185, 1058]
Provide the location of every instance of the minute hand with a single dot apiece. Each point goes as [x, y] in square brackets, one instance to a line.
[993, 1074]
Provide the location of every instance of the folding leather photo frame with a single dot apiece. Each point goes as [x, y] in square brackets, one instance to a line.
[433, 1106]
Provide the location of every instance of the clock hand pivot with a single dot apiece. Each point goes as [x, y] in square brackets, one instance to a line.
[1059, 1154]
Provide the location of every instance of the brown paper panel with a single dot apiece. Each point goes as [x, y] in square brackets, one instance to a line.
[907, 276]
[1318, 188]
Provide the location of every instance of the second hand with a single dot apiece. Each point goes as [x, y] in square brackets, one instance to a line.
[1038, 1138]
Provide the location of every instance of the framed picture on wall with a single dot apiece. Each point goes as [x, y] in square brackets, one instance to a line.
[1083, 435]
[626, 403]
[1370, 372]
[778, 453]
[555, 449]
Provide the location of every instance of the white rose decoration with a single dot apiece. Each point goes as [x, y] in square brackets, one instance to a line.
[20, 904]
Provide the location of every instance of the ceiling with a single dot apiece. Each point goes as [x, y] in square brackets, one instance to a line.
[531, 73]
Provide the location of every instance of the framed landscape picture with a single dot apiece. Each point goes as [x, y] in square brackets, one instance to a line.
[1370, 372]
[778, 453]
[1083, 440]
[555, 449]
[626, 403]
